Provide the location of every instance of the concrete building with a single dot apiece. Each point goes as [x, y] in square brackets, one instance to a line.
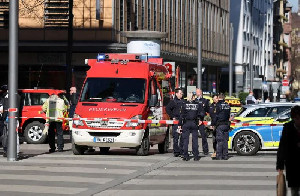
[253, 35]
[282, 47]
[295, 59]
[97, 27]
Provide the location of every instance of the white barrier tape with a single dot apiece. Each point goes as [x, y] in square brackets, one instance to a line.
[168, 122]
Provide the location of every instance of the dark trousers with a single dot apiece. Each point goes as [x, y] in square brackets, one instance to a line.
[51, 135]
[177, 141]
[214, 140]
[204, 138]
[1, 127]
[190, 127]
[222, 136]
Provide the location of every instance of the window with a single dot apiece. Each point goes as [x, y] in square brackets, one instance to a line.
[122, 90]
[149, 15]
[274, 111]
[171, 21]
[128, 6]
[260, 112]
[136, 21]
[4, 14]
[35, 98]
[143, 14]
[154, 16]
[121, 15]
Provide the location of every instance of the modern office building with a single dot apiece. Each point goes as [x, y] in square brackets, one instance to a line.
[252, 45]
[97, 27]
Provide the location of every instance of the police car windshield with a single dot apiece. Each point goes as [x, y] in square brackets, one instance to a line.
[122, 90]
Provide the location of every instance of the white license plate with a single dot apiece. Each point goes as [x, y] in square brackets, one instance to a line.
[104, 139]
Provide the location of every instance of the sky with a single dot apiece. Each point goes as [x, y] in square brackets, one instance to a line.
[294, 4]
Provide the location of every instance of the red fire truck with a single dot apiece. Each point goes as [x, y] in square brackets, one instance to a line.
[32, 121]
[119, 87]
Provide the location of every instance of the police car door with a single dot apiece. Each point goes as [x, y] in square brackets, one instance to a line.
[277, 130]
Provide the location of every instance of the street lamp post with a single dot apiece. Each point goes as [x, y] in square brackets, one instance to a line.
[230, 61]
[251, 47]
[199, 64]
[13, 79]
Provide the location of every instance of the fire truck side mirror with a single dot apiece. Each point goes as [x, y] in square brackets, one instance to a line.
[153, 100]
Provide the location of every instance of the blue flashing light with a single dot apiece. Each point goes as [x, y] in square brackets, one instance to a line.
[100, 57]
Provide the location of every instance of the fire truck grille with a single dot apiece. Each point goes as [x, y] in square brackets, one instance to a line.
[105, 124]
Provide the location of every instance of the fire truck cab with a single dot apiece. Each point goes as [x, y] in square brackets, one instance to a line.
[119, 87]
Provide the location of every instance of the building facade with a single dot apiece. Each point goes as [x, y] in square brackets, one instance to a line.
[295, 59]
[97, 27]
[282, 48]
[253, 39]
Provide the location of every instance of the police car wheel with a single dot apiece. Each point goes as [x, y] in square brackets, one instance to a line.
[246, 143]
[33, 133]
[164, 146]
[143, 149]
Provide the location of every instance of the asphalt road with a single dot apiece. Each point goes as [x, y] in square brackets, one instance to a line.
[121, 172]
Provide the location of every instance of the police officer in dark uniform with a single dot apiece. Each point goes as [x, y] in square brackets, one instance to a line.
[205, 104]
[3, 116]
[173, 110]
[190, 118]
[223, 126]
[213, 116]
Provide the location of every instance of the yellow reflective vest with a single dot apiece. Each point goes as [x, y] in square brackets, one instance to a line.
[54, 107]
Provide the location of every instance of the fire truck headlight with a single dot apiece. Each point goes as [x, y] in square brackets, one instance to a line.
[134, 124]
[77, 121]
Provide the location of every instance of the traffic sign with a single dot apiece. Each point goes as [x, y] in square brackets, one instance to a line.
[285, 83]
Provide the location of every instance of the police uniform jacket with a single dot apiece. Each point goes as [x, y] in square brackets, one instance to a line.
[191, 111]
[213, 113]
[204, 102]
[223, 112]
[174, 108]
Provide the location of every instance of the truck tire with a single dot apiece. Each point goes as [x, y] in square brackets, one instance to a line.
[33, 133]
[143, 149]
[246, 143]
[77, 149]
[164, 146]
[104, 150]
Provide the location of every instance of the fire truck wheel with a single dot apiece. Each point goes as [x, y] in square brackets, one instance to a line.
[78, 150]
[143, 149]
[33, 133]
[163, 147]
[104, 150]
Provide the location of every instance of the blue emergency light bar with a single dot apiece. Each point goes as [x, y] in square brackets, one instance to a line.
[101, 57]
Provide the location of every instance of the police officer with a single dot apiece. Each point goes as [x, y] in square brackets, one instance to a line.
[190, 117]
[223, 126]
[250, 99]
[213, 116]
[205, 104]
[173, 110]
[3, 116]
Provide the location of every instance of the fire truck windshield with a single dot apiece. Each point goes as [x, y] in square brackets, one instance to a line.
[122, 90]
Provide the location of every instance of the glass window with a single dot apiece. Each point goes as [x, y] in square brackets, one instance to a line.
[274, 111]
[37, 98]
[260, 112]
[130, 90]
[121, 15]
